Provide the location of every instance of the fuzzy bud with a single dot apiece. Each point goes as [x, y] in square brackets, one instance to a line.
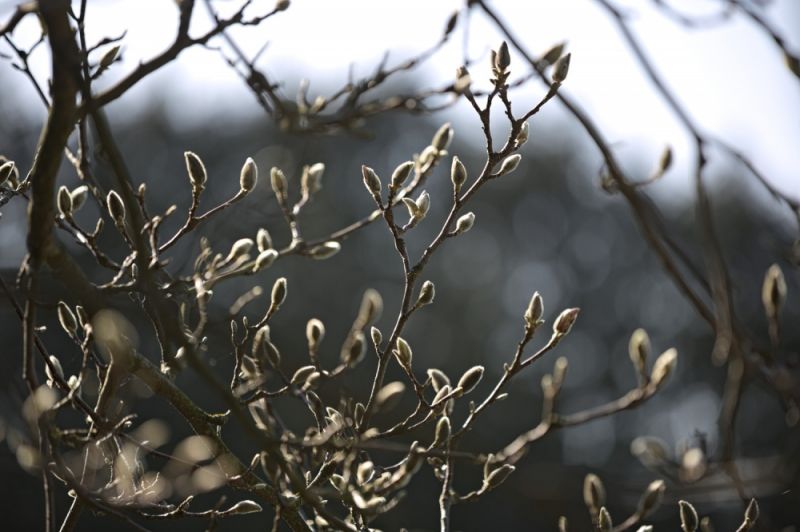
[522, 137]
[265, 259]
[403, 353]
[565, 320]
[773, 292]
[639, 350]
[442, 432]
[325, 250]
[497, 477]
[664, 365]
[533, 314]
[442, 137]
[470, 378]
[561, 69]
[78, 197]
[242, 508]
[509, 164]
[311, 181]
[116, 209]
[278, 293]
[689, 520]
[196, 170]
[239, 249]
[315, 332]
[438, 379]
[371, 180]
[458, 174]
[665, 161]
[400, 174]
[263, 240]
[64, 202]
[426, 294]
[465, 223]
[604, 522]
[377, 336]
[67, 319]
[353, 352]
[552, 55]
[502, 58]
[248, 176]
[278, 182]
[594, 494]
[6, 170]
[651, 498]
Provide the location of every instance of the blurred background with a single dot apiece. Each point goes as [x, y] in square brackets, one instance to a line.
[549, 226]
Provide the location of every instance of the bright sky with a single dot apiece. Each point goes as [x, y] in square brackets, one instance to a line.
[731, 77]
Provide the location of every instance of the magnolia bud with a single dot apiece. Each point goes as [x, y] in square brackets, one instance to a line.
[497, 477]
[403, 353]
[651, 498]
[773, 291]
[438, 379]
[639, 349]
[665, 161]
[465, 223]
[196, 170]
[278, 182]
[564, 322]
[442, 137]
[664, 365]
[239, 249]
[248, 176]
[533, 314]
[78, 197]
[594, 494]
[265, 259]
[116, 209]
[311, 180]
[442, 432]
[377, 336]
[371, 180]
[6, 170]
[689, 520]
[561, 69]
[552, 55]
[458, 174]
[354, 351]
[522, 137]
[64, 202]
[242, 508]
[502, 58]
[401, 173]
[278, 292]
[509, 164]
[604, 523]
[426, 294]
[470, 379]
[67, 319]
[263, 240]
[325, 250]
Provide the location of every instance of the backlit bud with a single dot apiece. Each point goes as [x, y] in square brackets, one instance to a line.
[116, 209]
[561, 69]
[371, 180]
[565, 320]
[465, 223]
[401, 173]
[442, 137]
[509, 164]
[278, 182]
[458, 174]
[248, 176]
[196, 170]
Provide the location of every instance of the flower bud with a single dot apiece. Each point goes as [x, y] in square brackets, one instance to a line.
[594, 494]
[315, 332]
[278, 293]
[509, 164]
[426, 294]
[78, 197]
[301, 374]
[376, 336]
[248, 176]
[242, 508]
[278, 182]
[522, 137]
[6, 170]
[470, 379]
[239, 249]
[371, 180]
[311, 181]
[196, 170]
[354, 350]
[116, 209]
[442, 432]
[502, 58]
[458, 174]
[325, 250]
[561, 69]
[265, 260]
[664, 365]
[565, 320]
[67, 319]
[665, 161]
[604, 523]
[552, 55]
[533, 314]
[651, 498]
[263, 240]
[639, 349]
[465, 223]
[403, 353]
[442, 137]
[689, 520]
[497, 477]
[401, 173]
[64, 202]
[773, 292]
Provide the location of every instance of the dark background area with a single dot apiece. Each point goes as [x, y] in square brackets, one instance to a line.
[548, 227]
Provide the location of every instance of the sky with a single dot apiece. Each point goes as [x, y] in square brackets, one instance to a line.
[730, 77]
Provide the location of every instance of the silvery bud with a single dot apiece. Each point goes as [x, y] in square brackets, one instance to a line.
[565, 320]
[604, 523]
[773, 291]
[458, 174]
[442, 137]
[465, 223]
[502, 58]
[263, 240]
[196, 170]
[265, 259]
[278, 292]
[325, 250]
[371, 180]
[67, 319]
[242, 508]
[64, 202]
[664, 365]
[401, 173]
[278, 182]
[522, 137]
[561, 69]
[426, 294]
[639, 349]
[239, 249]
[315, 332]
[248, 176]
[509, 164]
[552, 55]
[78, 197]
[594, 494]
[533, 314]
[354, 351]
[497, 477]
[116, 209]
[470, 379]
[689, 520]
[311, 180]
[403, 353]
[651, 498]
[6, 170]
